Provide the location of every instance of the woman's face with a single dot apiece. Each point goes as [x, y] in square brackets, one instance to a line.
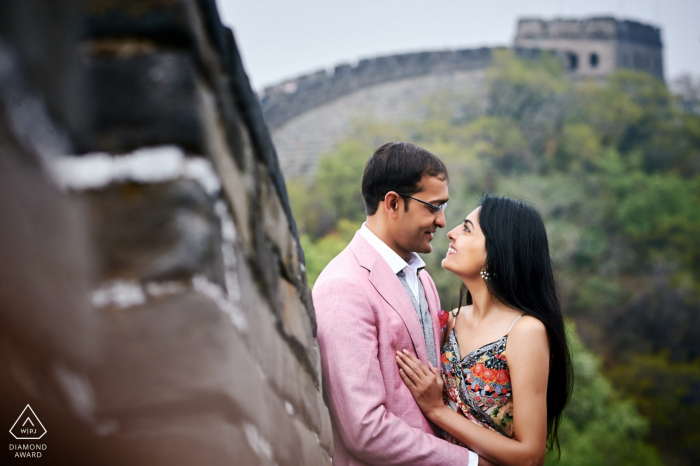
[467, 252]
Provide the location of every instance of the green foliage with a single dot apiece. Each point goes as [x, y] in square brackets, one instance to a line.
[661, 386]
[319, 253]
[600, 426]
[334, 194]
[614, 168]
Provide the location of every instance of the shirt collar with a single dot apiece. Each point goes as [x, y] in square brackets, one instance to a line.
[396, 263]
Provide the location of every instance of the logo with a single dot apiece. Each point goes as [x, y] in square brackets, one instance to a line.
[28, 426]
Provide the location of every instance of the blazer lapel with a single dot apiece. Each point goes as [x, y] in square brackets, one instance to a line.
[389, 287]
[434, 307]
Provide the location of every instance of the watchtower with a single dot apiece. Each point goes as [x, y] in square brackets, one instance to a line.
[595, 47]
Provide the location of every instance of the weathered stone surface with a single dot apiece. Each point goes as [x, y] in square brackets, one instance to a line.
[149, 315]
[142, 100]
[293, 372]
[45, 255]
[200, 437]
[300, 143]
[165, 350]
[295, 318]
[182, 350]
[155, 232]
[312, 455]
[164, 21]
[238, 186]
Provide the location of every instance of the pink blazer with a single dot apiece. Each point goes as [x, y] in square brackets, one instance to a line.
[364, 316]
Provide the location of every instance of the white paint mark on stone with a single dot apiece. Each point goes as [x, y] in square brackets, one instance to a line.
[228, 234]
[121, 293]
[201, 284]
[77, 389]
[202, 170]
[289, 408]
[156, 289]
[146, 165]
[257, 442]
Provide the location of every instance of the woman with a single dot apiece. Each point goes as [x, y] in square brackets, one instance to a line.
[506, 409]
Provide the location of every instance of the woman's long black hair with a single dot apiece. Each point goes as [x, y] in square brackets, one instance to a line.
[521, 276]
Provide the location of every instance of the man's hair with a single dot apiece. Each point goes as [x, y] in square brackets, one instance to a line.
[398, 166]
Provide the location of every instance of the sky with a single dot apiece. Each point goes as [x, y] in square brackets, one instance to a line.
[279, 39]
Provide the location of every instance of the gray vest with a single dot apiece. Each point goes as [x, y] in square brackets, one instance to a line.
[421, 307]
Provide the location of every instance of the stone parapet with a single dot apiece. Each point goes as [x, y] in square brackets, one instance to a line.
[283, 102]
[153, 300]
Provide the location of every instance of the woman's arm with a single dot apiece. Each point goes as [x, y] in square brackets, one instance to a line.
[528, 363]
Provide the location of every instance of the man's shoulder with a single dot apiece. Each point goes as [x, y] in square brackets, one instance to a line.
[342, 269]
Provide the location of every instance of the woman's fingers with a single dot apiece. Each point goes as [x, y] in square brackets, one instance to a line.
[407, 369]
[417, 364]
[409, 383]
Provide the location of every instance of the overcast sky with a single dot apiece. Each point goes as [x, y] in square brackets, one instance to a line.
[284, 39]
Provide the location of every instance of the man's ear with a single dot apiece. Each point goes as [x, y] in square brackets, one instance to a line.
[391, 204]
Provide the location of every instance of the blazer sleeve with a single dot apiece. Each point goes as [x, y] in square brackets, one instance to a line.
[347, 336]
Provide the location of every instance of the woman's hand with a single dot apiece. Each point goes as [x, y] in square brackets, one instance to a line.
[425, 384]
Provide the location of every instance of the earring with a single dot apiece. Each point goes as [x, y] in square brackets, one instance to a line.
[485, 273]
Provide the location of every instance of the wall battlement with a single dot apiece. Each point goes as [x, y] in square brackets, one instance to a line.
[309, 114]
[283, 102]
[604, 28]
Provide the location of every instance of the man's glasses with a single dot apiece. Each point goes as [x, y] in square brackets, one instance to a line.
[433, 208]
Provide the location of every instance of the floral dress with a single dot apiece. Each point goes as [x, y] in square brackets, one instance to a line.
[478, 385]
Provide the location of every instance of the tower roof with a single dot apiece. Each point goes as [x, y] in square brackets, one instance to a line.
[596, 28]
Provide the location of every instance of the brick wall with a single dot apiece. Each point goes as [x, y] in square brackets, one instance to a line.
[153, 301]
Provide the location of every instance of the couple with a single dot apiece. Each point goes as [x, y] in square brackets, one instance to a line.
[409, 384]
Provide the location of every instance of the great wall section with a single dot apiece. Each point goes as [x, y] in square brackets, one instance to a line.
[310, 114]
[153, 301]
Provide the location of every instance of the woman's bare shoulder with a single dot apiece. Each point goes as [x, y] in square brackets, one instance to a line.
[465, 308]
[527, 330]
[458, 313]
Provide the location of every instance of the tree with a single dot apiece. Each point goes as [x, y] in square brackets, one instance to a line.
[600, 426]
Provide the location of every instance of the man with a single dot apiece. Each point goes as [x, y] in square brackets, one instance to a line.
[375, 299]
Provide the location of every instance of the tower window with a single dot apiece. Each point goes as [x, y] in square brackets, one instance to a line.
[573, 61]
[594, 60]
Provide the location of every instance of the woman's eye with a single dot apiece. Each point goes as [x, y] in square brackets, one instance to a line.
[466, 228]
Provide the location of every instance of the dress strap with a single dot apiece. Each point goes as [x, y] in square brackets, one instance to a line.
[511, 325]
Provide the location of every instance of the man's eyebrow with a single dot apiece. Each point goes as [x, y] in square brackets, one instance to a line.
[439, 201]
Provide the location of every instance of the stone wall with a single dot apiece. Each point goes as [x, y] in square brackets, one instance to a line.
[304, 139]
[285, 101]
[153, 301]
[310, 114]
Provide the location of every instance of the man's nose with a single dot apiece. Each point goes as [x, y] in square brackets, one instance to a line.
[440, 219]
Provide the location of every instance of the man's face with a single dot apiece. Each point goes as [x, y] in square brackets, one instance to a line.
[413, 231]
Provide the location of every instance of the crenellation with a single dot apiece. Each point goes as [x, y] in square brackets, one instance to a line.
[291, 98]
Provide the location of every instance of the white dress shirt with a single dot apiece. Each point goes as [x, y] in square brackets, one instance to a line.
[396, 263]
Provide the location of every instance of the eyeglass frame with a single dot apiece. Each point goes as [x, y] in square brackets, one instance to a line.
[437, 208]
